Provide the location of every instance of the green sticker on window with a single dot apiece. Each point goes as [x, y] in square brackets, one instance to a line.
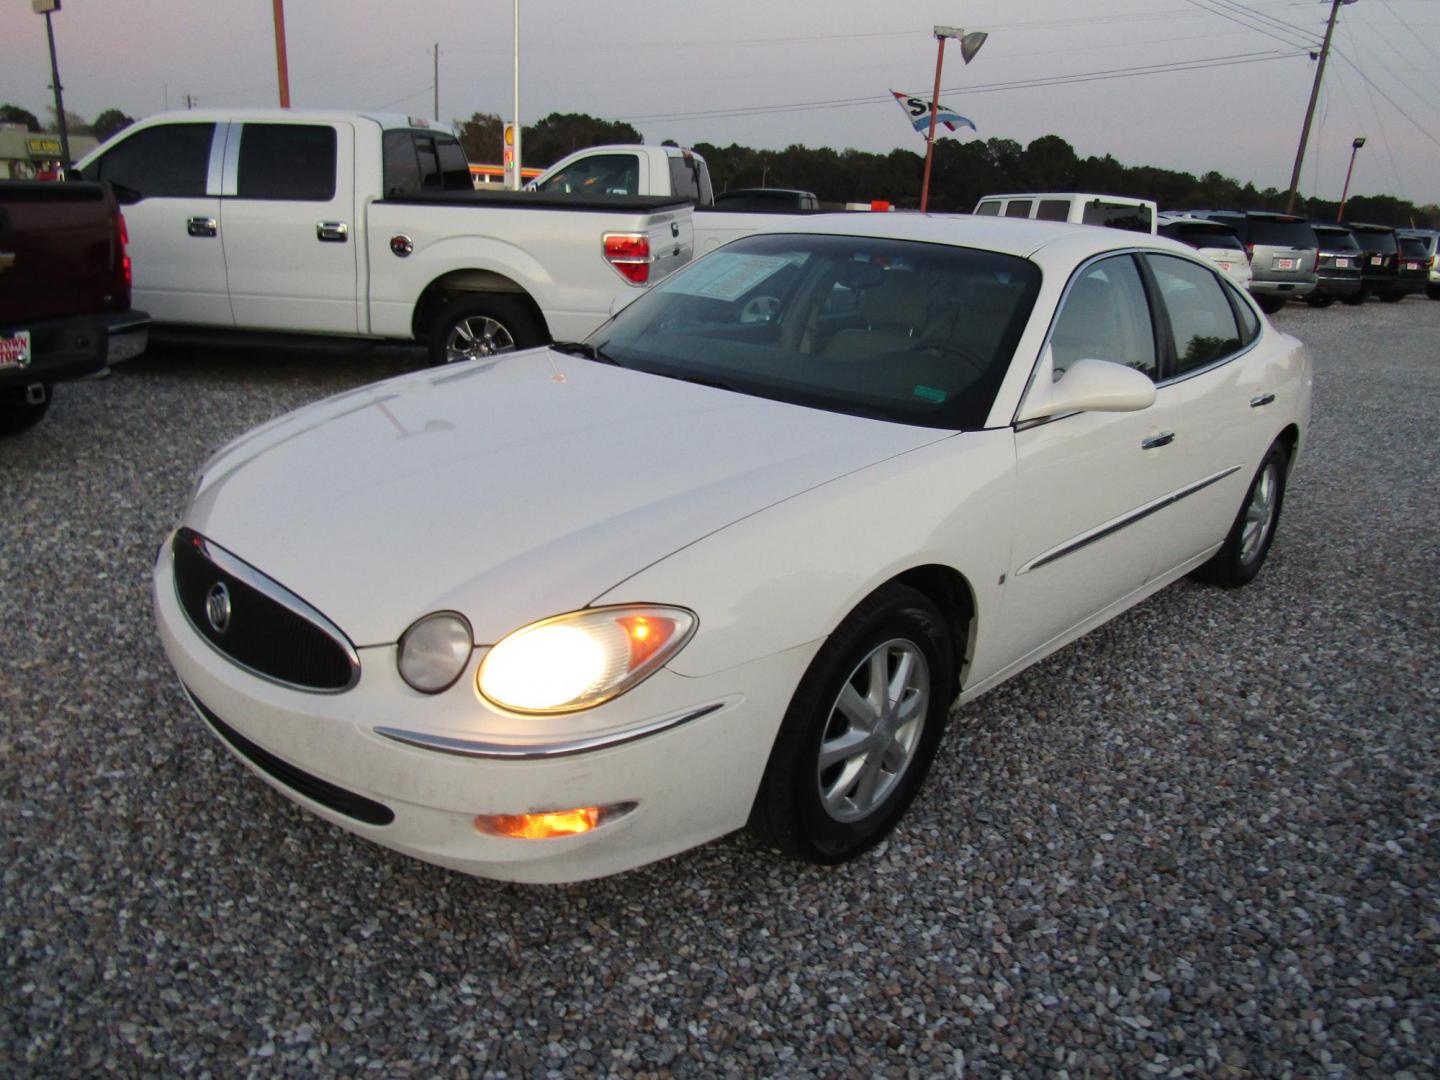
[929, 393]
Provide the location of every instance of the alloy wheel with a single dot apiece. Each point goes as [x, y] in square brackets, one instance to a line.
[477, 336]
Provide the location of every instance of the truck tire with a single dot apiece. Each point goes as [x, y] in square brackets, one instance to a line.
[17, 412]
[477, 325]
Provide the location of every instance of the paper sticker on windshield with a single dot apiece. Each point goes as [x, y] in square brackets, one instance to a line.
[728, 275]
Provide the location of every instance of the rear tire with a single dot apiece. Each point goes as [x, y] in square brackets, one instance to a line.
[1433, 292]
[18, 413]
[1243, 553]
[1392, 297]
[861, 731]
[1320, 301]
[1357, 299]
[474, 326]
[1270, 304]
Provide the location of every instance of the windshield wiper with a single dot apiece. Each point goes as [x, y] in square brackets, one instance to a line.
[585, 349]
[700, 380]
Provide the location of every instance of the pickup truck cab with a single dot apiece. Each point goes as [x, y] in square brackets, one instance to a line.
[629, 169]
[368, 225]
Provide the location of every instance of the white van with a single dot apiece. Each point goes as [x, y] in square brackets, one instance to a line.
[1113, 211]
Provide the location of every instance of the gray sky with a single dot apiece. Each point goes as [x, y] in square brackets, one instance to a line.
[768, 74]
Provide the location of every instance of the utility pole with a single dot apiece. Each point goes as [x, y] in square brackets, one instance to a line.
[282, 65]
[46, 7]
[437, 82]
[1314, 96]
[189, 102]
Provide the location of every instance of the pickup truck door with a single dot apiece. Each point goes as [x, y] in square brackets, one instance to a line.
[290, 226]
[167, 178]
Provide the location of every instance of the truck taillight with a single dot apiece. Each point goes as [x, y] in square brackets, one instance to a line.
[629, 254]
[125, 268]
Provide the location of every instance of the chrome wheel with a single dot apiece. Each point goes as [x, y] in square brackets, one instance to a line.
[873, 730]
[1260, 514]
[477, 336]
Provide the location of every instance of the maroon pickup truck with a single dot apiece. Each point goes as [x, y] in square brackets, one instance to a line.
[64, 293]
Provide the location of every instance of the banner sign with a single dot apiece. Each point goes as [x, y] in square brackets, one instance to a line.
[918, 111]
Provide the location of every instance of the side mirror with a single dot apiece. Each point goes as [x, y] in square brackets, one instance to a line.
[1086, 386]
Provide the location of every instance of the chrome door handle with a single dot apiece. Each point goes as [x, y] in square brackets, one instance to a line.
[1263, 399]
[202, 226]
[332, 232]
[1165, 438]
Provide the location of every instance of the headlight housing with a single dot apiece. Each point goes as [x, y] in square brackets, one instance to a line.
[579, 660]
[434, 651]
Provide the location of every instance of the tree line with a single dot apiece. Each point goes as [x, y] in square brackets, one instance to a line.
[963, 172]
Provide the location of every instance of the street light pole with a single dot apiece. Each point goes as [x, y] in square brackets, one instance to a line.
[1345, 194]
[1314, 96]
[46, 7]
[515, 105]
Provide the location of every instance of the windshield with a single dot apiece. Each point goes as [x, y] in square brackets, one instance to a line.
[898, 330]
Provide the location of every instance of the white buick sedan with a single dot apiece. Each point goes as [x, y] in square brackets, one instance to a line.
[558, 613]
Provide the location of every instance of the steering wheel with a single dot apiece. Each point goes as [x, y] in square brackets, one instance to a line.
[760, 309]
[947, 347]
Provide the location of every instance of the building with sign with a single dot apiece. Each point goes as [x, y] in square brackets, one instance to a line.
[24, 153]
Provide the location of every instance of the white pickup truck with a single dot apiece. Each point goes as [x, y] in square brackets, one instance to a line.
[367, 225]
[633, 169]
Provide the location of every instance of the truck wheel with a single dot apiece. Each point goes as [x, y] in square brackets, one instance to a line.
[477, 325]
[17, 412]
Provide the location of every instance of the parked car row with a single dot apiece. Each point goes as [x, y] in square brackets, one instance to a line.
[1293, 258]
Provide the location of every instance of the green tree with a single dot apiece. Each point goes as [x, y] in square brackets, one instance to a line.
[109, 122]
[483, 138]
[14, 114]
[563, 133]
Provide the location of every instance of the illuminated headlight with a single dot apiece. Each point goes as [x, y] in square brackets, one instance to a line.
[578, 660]
[434, 651]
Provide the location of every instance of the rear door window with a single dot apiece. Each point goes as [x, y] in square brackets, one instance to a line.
[1202, 322]
[295, 162]
[169, 160]
[1019, 207]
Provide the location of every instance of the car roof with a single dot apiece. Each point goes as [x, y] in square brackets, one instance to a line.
[1021, 237]
[256, 115]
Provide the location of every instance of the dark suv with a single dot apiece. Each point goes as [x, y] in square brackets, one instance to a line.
[1337, 269]
[1380, 260]
[1282, 250]
[1430, 240]
[1412, 273]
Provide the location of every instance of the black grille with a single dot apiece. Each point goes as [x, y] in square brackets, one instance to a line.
[262, 634]
[312, 787]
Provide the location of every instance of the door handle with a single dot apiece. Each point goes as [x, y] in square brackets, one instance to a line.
[202, 226]
[1165, 438]
[1263, 399]
[332, 232]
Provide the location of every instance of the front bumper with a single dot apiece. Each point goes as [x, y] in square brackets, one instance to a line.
[690, 782]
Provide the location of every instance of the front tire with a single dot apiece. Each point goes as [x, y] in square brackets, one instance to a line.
[18, 413]
[474, 326]
[1243, 553]
[861, 731]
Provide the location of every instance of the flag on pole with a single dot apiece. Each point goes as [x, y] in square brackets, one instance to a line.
[918, 111]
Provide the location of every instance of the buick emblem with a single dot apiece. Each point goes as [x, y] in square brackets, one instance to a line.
[217, 607]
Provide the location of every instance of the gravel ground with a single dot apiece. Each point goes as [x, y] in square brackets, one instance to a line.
[1201, 841]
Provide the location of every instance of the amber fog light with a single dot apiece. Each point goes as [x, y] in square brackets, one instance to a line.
[551, 823]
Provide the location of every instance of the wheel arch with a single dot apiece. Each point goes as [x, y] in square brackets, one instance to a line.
[448, 286]
[951, 592]
[1290, 439]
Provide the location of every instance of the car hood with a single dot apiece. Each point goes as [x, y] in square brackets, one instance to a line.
[510, 490]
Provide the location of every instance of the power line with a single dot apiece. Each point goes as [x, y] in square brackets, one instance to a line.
[1371, 83]
[1200, 5]
[984, 88]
